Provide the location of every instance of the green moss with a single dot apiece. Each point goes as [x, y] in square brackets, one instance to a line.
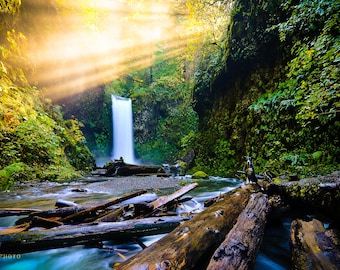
[200, 175]
[282, 112]
[277, 181]
[317, 155]
[9, 173]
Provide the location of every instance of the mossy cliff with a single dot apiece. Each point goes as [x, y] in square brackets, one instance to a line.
[277, 98]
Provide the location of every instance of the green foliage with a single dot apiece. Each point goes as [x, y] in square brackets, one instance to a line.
[317, 155]
[161, 108]
[11, 172]
[156, 151]
[208, 67]
[200, 175]
[209, 47]
[308, 99]
[214, 154]
[35, 141]
[285, 116]
[307, 18]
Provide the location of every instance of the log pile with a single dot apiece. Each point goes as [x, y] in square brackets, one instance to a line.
[119, 168]
[226, 235]
[242, 244]
[90, 234]
[76, 225]
[194, 243]
[191, 244]
[312, 245]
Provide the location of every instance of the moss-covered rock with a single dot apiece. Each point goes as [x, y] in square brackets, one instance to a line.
[200, 175]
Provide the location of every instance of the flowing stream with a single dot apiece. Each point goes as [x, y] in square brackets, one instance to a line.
[274, 252]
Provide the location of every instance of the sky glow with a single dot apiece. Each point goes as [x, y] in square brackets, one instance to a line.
[99, 41]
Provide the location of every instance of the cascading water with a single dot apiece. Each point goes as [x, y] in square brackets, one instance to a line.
[123, 145]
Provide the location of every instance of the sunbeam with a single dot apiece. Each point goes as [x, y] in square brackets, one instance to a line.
[94, 42]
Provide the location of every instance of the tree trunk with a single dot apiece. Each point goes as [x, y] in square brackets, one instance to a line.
[313, 194]
[81, 234]
[164, 200]
[314, 247]
[65, 215]
[193, 242]
[92, 210]
[120, 168]
[242, 244]
[4, 212]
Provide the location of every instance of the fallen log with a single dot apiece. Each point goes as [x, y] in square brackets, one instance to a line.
[164, 200]
[5, 212]
[44, 222]
[113, 215]
[120, 168]
[141, 170]
[242, 244]
[147, 209]
[78, 214]
[321, 194]
[76, 217]
[66, 211]
[15, 229]
[60, 203]
[51, 213]
[65, 236]
[129, 211]
[314, 247]
[191, 244]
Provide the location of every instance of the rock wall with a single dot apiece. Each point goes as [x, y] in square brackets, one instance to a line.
[256, 106]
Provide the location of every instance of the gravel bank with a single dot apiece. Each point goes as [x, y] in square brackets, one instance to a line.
[126, 184]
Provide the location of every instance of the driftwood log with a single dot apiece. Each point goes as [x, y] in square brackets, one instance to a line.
[4, 212]
[98, 213]
[314, 247]
[74, 227]
[322, 194]
[76, 217]
[148, 209]
[66, 215]
[83, 234]
[192, 243]
[120, 168]
[242, 244]
[66, 211]
[164, 200]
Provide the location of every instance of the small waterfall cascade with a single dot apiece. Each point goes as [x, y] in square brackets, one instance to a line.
[122, 118]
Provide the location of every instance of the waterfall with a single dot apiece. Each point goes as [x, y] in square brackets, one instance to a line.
[123, 145]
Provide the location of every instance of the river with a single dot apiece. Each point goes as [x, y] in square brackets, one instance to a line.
[274, 252]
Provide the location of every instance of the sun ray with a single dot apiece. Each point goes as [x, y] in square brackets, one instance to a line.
[99, 41]
[92, 42]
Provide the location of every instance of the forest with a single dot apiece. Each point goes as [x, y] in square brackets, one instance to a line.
[211, 82]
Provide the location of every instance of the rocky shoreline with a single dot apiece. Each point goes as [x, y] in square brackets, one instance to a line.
[129, 183]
